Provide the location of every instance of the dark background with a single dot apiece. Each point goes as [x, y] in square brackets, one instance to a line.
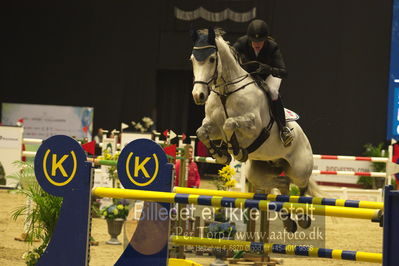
[129, 59]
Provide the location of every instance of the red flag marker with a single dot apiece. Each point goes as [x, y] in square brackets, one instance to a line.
[90, 147]
[170, 150]
[165, 133]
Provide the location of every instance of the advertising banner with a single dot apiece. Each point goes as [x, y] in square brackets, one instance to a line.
[43, 121]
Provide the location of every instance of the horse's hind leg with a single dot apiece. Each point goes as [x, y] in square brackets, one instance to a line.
[205, 133]
[266, 176]
[300, 174]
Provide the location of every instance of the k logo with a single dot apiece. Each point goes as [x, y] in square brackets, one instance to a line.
[59, 162]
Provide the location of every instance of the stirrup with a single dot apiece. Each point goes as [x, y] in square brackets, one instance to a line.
[287, 136]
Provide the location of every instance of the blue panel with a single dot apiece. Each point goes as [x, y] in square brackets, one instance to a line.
[393, 93]
[257, 247]
[276, 206]
[69, 242]
[278, 248]
[144, 158]
[228, 202]
[205, 200]
[352, 203]
[302, 251]
[327, 201]
[325, 253]
[348, 255]
[181, 198]
[305, 200]
[283, 198]
[391, 228]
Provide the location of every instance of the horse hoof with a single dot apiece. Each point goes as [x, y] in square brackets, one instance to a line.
[228, 160]
[304, 221]
[242, 155]
[290, 225]
[224, 159]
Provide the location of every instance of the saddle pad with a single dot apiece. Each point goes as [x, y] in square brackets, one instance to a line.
[290, 115]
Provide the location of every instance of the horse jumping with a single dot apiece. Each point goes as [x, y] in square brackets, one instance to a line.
[237, 113]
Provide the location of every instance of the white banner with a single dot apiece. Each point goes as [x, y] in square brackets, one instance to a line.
[10, 151]
[43, 121]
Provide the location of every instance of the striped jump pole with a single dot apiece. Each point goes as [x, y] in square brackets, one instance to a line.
[316, 156]
[350, 158]
[102, 162]
[370, 174]
[282, 198]
[319, 172]
[296, 250]
[217, 201]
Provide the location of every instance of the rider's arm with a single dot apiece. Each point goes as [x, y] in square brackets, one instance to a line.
[277, 68]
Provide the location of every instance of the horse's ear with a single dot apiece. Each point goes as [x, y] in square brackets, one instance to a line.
[193, 34]
[211, 35]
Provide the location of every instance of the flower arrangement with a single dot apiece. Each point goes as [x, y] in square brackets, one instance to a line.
[144, 125]
[225, 181]
[118, 209]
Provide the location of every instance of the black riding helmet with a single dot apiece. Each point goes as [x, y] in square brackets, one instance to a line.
[257, 30]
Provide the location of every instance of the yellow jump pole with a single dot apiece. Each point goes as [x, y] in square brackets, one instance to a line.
[217, 201]
[296, 250]
[282, 198]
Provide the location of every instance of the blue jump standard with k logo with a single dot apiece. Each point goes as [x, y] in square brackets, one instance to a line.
[62, 170]
[143, 165]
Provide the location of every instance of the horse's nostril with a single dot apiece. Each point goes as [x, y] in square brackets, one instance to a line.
[202, 96]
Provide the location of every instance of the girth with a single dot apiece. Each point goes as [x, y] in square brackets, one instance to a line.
[263, 136]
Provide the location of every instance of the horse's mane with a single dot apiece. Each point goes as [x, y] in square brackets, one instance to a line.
[219, 32]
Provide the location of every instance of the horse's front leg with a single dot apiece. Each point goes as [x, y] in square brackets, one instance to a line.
[245, 124]
[208, 132]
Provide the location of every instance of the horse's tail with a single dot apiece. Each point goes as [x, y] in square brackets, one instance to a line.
[313, 189]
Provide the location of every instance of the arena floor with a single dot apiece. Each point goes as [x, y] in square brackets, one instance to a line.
[348, 234]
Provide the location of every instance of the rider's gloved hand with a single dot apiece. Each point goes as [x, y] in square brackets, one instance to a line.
[263, 69]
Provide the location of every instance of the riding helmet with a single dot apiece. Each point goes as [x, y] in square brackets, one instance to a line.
[257, 30]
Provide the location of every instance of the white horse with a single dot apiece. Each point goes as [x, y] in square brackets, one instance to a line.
[237, 112]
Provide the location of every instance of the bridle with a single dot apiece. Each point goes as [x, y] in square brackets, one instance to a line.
[214, 77]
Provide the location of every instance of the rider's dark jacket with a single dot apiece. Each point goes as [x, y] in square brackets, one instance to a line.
[270, 56]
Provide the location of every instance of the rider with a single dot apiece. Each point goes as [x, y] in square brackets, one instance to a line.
[262, 57]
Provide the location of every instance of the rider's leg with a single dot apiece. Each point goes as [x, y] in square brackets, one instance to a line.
[286, 133]
[277, 108]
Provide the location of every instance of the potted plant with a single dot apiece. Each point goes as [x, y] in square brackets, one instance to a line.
[41, 212]
[115, 214]
[40, 216]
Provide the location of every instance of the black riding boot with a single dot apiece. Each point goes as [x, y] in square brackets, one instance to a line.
[286, 133]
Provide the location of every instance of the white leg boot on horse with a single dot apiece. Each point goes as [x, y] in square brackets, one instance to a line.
[208, 132]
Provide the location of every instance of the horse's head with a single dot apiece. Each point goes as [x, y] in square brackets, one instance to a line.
[205, 64]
